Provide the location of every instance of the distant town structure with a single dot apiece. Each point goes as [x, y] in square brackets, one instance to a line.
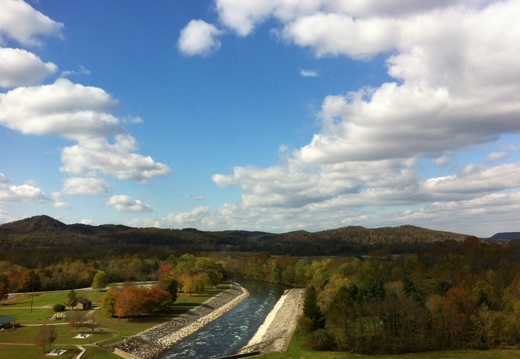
[6, 321]
[83, 304]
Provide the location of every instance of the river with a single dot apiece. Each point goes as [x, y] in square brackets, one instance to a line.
[233, 330]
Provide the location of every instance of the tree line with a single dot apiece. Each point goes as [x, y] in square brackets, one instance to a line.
[69, 273]
[187, 273]
[455, 295]
[451, 295]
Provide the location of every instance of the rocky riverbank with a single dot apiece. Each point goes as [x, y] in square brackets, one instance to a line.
[276, 332]
[152, 342]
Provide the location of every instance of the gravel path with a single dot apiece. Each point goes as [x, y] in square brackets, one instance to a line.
[152, 342]
[276, 332]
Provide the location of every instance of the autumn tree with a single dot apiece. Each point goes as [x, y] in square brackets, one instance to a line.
[29, 282]
[457, 309]
[168, 281]
[72, 299]
[14, 276]
[4, 286]
[257, 266]
[169, 284]
[405, 320]
[159, 300]
[341, 317]
[46, 336]
[132, 301]
[194, 283]
[487, 328]
[276, 272]
[100, 280]
[108, 302]
[76, 319]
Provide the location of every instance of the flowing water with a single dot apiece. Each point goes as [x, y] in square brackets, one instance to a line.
[233, 330]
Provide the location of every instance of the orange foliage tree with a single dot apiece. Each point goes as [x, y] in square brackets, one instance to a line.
[457, 309]
[132, 301]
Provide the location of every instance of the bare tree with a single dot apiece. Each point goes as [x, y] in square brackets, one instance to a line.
[46, 336]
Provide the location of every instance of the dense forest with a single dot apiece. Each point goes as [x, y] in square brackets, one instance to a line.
[440, 291]
[455, 295]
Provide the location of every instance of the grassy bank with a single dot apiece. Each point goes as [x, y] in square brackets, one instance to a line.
[297, 350]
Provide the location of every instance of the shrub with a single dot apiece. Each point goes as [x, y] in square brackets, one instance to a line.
[58, 307]
[320, 339]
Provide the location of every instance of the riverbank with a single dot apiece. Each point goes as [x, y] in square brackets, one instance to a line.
[275, 334]
[152, 342]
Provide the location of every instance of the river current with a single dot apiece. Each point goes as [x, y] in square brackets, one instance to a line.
[233, 330]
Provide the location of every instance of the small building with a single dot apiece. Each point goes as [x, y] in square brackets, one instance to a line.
[83, 304]
[6, 321]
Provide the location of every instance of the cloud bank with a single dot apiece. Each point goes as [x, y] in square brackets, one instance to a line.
[456, 76]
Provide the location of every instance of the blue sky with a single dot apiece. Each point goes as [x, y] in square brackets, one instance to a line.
[272, 115]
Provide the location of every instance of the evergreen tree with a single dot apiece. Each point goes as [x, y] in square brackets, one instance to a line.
[411, 291]
[370, 289]
[172, 287]
[312, 311]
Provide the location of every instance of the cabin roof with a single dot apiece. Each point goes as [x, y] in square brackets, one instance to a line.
[6, 319]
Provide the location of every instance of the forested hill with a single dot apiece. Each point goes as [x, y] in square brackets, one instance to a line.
[44, 232]
[505, 236]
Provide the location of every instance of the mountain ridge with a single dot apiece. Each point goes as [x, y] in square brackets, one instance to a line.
[46, 232]
[507, 236]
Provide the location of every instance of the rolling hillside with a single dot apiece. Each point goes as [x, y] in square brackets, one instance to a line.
[46, 233]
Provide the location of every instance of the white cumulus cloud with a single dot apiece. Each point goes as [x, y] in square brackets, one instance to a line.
[21, 22]
[22, 193]
[20, 68]
[124, 203]
[199, 38]
[115, 159]
[84, 186]
[81, 113]
[63, 108]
